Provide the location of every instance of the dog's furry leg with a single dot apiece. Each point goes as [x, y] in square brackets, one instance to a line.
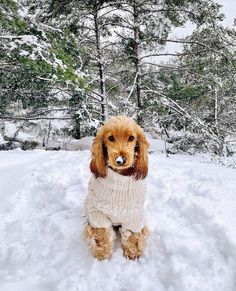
[133, 243]
[100, 241]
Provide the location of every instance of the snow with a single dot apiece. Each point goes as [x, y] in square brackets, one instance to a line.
[25, 136]
[190, 211]
[1, 138]
[119, 159]
[84, 143]
[10, 129]
[156, 145]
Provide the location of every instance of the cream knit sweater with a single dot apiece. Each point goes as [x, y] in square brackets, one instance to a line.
[116, 200]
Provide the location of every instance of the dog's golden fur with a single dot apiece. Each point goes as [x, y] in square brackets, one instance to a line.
[100, 241]
[134, 246]
[127, 140]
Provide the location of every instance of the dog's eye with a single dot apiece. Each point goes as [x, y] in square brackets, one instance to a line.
[111, 138]
[131, 138]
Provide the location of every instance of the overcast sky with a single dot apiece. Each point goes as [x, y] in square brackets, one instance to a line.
[229, 9]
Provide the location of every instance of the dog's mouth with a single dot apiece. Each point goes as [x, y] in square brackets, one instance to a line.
[120, 167]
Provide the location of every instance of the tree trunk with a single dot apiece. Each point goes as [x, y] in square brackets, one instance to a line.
[137, 60]
[77, 129]
[216, 107]
[101, 69]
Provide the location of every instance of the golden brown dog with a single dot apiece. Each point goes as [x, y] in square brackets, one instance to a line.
[120, 145]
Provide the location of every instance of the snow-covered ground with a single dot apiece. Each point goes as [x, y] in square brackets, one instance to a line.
[190, 211]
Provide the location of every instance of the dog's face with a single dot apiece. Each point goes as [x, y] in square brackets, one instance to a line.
[121, 144]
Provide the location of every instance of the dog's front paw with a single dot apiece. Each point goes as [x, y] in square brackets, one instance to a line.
[133, 243]
[100, 241]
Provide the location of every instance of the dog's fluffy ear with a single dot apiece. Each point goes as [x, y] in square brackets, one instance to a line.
[98, 163]
[141, 163]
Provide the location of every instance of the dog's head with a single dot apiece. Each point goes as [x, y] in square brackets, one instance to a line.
[121, 144]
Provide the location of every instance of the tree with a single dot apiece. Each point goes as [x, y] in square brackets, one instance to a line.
[40, 67]
[35, 59]
[200, 84]
[143, 29]
[89, 20]
[210, 58]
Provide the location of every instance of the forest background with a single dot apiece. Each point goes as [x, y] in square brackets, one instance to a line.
[67, 66]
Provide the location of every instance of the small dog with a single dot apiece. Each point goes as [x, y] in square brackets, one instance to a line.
[116, 191]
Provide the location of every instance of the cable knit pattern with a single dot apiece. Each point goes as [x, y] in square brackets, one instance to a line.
[116, 200]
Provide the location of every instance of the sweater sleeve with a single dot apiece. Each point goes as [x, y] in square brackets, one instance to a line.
[134, 224]
[98, 219]
[95, 217]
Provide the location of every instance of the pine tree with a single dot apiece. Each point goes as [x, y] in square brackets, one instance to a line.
[143, 28]
[38, 62]
[201, 84]
[89, 20]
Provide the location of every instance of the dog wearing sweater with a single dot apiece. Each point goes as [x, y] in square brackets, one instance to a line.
[116, 190]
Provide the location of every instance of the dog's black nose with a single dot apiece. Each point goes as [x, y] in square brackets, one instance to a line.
[121, 160]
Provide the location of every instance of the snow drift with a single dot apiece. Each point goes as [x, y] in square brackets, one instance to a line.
[190, 211]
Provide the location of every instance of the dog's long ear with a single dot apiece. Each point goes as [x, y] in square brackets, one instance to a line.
[98, 163]
[141, 163]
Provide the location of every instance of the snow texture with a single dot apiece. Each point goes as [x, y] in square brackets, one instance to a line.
[119, 159]
[1, 138]
[190, 211]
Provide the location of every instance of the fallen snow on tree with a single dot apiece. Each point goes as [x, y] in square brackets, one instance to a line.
[190, 211]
